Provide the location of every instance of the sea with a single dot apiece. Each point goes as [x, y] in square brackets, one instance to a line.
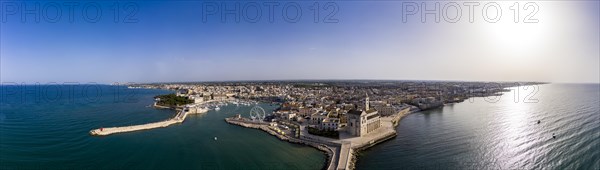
[47, 127]
[500, 133]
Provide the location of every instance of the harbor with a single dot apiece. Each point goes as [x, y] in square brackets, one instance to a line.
[342, 152]
[363, 126]
[332, 151]
[179, 118]
[182, 113]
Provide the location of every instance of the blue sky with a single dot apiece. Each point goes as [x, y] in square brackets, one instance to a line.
[168, 41]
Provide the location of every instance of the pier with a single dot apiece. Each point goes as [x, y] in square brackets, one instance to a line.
[179, 118]
[201, 107]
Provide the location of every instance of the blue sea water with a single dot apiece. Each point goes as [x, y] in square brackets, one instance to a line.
[46, 127]
[500, 133]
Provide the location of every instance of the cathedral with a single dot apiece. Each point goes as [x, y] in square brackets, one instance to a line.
[362, 122]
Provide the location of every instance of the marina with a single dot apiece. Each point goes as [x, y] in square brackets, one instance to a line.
[179, 118]
[341, 152]
[299, 85]
[217, 143]
[182, 113]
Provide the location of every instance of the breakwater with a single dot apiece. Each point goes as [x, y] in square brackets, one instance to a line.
[341, 153]
[331, 151]
[389, 124]
[179, 118]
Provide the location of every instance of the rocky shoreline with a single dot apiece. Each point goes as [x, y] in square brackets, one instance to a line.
[332, 150]
[330, 160]
[356, 150]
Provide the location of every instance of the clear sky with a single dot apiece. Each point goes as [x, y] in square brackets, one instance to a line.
[188, 41]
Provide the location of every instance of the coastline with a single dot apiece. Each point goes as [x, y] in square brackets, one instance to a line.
[329, 152]
[341, 154]
[178, 118]
[358, 149]
[333, 157]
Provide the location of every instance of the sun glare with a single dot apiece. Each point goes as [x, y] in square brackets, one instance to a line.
[517, 36]
[523, 35]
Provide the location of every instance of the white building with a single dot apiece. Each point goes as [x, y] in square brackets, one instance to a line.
[197, 98]
[330, 124]
[317, 118]
[325, 120]
[289, 115]
[385, 110]
[363, 122]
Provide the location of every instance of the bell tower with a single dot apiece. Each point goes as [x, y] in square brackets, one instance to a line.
[367, 107]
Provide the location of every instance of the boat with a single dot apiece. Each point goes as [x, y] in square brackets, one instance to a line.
[215, 138]
[217, 108]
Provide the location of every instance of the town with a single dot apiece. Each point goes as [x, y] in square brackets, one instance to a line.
[337, 117]
[302, 98]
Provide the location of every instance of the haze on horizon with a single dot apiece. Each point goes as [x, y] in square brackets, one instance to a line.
[177, 42]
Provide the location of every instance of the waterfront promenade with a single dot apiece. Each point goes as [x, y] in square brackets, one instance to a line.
[341, 152]
[179, 118]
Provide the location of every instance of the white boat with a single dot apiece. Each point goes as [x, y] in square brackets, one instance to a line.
[217, 108]
[215, 138]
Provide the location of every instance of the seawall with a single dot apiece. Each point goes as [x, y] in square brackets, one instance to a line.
[331, 154]
[179, 118]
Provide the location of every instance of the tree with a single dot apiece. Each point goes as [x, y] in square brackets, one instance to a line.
[172, 100]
